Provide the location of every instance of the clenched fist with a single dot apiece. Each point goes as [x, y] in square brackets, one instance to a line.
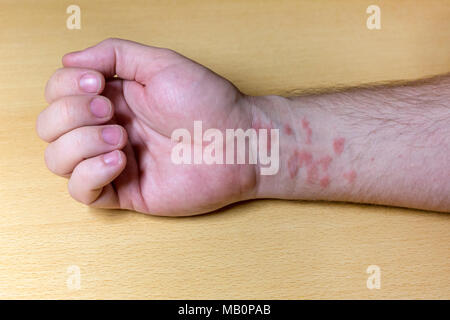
[112, 109]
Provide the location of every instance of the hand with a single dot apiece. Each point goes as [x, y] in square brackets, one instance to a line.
[112, 138]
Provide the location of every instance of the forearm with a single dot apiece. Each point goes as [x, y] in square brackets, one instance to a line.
[385, 145]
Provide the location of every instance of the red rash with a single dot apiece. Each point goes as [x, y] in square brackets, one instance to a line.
[288, 130]
[325, 182]
[300, 159]
[297, 160]
[325, 162]
[293, 165]
[338, 145]
[307, 128]
[350, 176]
[312, 174]
[304, 158]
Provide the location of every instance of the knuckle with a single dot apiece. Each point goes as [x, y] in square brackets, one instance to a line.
[111, 40]
[47, 91]
[52, 162]
[74, 189]
[74, 194]
[78, 140]
[65, 111]
[56, 76]
[49, 160]
[168, 53]
[49, 87]
[38, 127]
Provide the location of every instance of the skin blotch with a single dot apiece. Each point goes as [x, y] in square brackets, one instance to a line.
[297, 160]
[312, 174]
[350, 176]
[325, 162]
[338, 145]
[325, 182]
[304, 158]
[293, 164]
[288, 130]
[308, 131]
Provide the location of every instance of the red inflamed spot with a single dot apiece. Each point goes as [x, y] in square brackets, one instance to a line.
[350, 176]
[312, 174]
[304, 158]
[288, 130]
[325, 162]
[308, 131]
[325, 182]
[293, 164]
[338, 145]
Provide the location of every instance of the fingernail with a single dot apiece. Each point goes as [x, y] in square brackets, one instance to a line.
[111, 135]
[111, 158]
[100, 107]
[90, 83]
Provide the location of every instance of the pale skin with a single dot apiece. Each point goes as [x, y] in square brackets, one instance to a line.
[111, 137]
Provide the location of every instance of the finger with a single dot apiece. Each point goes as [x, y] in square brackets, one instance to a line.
[62, 155]
[71, 112]
[90, 176]
[127, 59]
[72, 82]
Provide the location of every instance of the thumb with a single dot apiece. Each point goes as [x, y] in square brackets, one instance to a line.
[127, 59]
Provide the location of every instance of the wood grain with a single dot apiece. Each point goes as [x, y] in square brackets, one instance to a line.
[258, 249]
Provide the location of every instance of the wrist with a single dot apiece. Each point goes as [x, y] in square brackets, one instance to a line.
[273, 112]
[312, 150]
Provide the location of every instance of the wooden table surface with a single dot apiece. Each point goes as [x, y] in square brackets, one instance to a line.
[260, 249]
